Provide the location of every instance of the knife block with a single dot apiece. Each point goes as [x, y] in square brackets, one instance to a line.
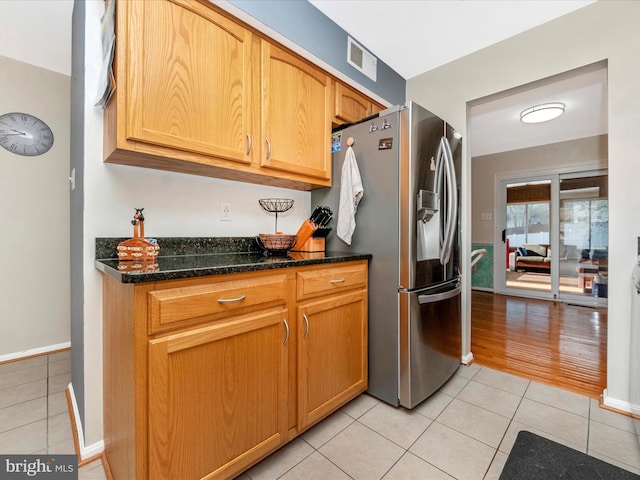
[304, 235]
[312, 244]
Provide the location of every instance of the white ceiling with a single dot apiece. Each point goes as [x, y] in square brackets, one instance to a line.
[496, 125]
[411, 36]
[414, 36]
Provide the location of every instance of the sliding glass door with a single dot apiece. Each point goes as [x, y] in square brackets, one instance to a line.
[553, 232]
[584, 237]
[527, 235]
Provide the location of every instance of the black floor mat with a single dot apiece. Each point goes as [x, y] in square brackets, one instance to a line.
[536, 458]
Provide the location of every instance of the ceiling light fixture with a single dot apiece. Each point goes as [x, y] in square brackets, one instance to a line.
[542, 113]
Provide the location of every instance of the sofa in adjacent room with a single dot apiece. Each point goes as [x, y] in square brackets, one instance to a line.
[530, 256]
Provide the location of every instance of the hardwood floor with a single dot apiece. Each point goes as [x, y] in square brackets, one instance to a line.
[549, 342]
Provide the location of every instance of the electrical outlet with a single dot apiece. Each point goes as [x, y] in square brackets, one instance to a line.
[225, 211]
[485, 216]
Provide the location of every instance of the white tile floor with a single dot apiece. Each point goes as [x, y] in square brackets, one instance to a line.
[34, 417]
[464, 431]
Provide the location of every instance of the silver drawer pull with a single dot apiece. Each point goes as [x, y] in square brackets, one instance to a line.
[340, 280]
[231, 300]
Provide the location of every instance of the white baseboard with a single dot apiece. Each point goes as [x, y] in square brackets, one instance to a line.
[467, 359]
[92, 450]
[620, 405]
[86, 451]
[33, 352]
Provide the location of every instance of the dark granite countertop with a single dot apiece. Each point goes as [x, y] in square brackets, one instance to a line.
[190, 258]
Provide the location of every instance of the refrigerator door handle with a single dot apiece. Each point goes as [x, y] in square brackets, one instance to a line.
[438, 297]
[452, 201]
[437, 187]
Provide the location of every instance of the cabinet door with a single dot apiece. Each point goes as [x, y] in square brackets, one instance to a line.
[350, 106]
[296, 115]
[189, 79]
[332, 354]
[217, 396]
[376, 107]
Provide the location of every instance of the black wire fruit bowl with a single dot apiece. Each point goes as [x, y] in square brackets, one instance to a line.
[276, 205]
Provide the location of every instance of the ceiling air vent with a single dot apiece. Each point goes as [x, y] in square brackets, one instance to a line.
[362, 60]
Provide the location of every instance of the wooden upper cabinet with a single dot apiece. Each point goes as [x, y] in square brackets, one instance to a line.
[376, 107]
[188, 79]
[351, 105]
[199, 92]
[296, 115]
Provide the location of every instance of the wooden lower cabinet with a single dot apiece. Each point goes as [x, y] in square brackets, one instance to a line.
[332, 354]
[217, 397]
[262, 356]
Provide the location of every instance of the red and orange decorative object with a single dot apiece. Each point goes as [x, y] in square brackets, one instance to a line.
[143, 252]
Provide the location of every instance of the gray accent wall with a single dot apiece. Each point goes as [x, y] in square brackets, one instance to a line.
[77, 204]
[308, 27]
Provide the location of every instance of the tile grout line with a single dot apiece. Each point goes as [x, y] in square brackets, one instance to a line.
[337, 466]
[511, 420]
[529, 387]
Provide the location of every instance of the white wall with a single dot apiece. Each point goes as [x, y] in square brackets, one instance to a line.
[175, 205]
[573, 155]
[34, 217]
[601, 31]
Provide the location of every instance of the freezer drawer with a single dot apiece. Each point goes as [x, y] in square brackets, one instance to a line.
[430, 340]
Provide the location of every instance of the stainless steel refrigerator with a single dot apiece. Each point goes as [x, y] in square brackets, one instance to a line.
[409, 162]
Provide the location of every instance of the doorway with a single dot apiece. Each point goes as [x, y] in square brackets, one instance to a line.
[556, 173]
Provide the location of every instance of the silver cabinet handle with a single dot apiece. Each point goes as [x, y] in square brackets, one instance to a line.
[268, 148]
[248, 144]
[231, 300]
[286, 326]
[306, 325]
[340, 280]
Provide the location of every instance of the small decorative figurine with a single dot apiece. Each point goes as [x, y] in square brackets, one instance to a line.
[138, 248]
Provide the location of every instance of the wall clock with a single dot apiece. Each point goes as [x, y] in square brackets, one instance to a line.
[24, 134]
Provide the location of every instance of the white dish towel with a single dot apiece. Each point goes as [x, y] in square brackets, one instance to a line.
[351, 192]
